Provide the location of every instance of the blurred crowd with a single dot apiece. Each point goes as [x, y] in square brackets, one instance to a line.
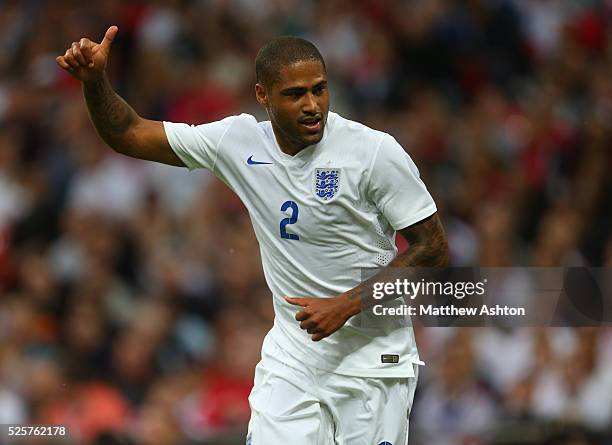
[132, 300]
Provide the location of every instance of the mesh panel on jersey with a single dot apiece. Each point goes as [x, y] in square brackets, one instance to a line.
[383, 258]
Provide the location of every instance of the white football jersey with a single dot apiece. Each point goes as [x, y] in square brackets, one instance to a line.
[322, 218]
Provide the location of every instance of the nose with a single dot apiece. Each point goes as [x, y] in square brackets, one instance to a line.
[310, 105]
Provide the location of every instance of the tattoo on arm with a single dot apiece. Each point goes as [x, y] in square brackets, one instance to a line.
[428, 245]
[110, 114]
[428, 248]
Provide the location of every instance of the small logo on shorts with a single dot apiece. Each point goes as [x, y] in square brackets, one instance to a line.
[389, 358]
[249, 439]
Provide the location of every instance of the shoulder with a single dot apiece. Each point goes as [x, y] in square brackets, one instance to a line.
[362, 139]
[230, 128]
[351, 127]
[247, 125]
[237, 121]
[240, 121]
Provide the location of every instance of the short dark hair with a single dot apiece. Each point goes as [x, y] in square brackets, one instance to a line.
[280, 52]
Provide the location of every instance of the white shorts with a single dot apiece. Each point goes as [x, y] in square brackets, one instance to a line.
[292, 403]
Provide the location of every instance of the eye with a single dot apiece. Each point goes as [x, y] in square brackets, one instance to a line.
[294, 95]
[319, 90]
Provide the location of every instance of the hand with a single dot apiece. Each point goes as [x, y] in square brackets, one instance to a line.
[86, 60]
[321, 317]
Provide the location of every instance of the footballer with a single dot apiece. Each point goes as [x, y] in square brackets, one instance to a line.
[326, 196]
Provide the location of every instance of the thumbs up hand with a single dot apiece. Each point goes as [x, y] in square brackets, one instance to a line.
[86, 60]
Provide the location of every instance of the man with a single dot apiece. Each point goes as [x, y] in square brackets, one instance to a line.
[326, 196]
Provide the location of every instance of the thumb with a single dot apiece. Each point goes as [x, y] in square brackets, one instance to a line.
[108, 38]
[297, 301]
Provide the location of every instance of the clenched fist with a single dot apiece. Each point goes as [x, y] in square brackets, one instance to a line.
[86, 60]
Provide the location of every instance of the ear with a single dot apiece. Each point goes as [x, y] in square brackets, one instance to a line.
[261, 94]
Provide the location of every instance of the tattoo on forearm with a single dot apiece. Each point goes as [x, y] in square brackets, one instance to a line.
[110, 114]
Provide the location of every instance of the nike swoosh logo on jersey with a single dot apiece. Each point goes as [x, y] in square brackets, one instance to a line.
[250, 161]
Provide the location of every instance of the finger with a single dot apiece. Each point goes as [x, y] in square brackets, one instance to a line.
[314, 330]
[86, 49]
[297, 301]
[62, 63]
[76, 52]
[108, 38]
[319, 336]
[308, 324]
[69, 58]
[302, 315]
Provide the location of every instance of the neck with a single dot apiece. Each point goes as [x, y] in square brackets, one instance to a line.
[286, 144]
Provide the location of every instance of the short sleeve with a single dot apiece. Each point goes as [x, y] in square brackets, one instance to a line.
[396, 188]
[198, 145]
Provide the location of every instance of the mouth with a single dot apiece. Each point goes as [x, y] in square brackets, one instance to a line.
[312, 124]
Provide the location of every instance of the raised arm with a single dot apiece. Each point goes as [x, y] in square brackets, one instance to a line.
[115, 121]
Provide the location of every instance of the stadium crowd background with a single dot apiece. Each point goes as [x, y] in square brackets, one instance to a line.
[131, 294]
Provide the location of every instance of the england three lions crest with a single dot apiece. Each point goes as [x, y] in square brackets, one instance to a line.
[326, 183]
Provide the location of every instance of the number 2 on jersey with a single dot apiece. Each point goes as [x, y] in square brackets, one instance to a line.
[291, 220]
